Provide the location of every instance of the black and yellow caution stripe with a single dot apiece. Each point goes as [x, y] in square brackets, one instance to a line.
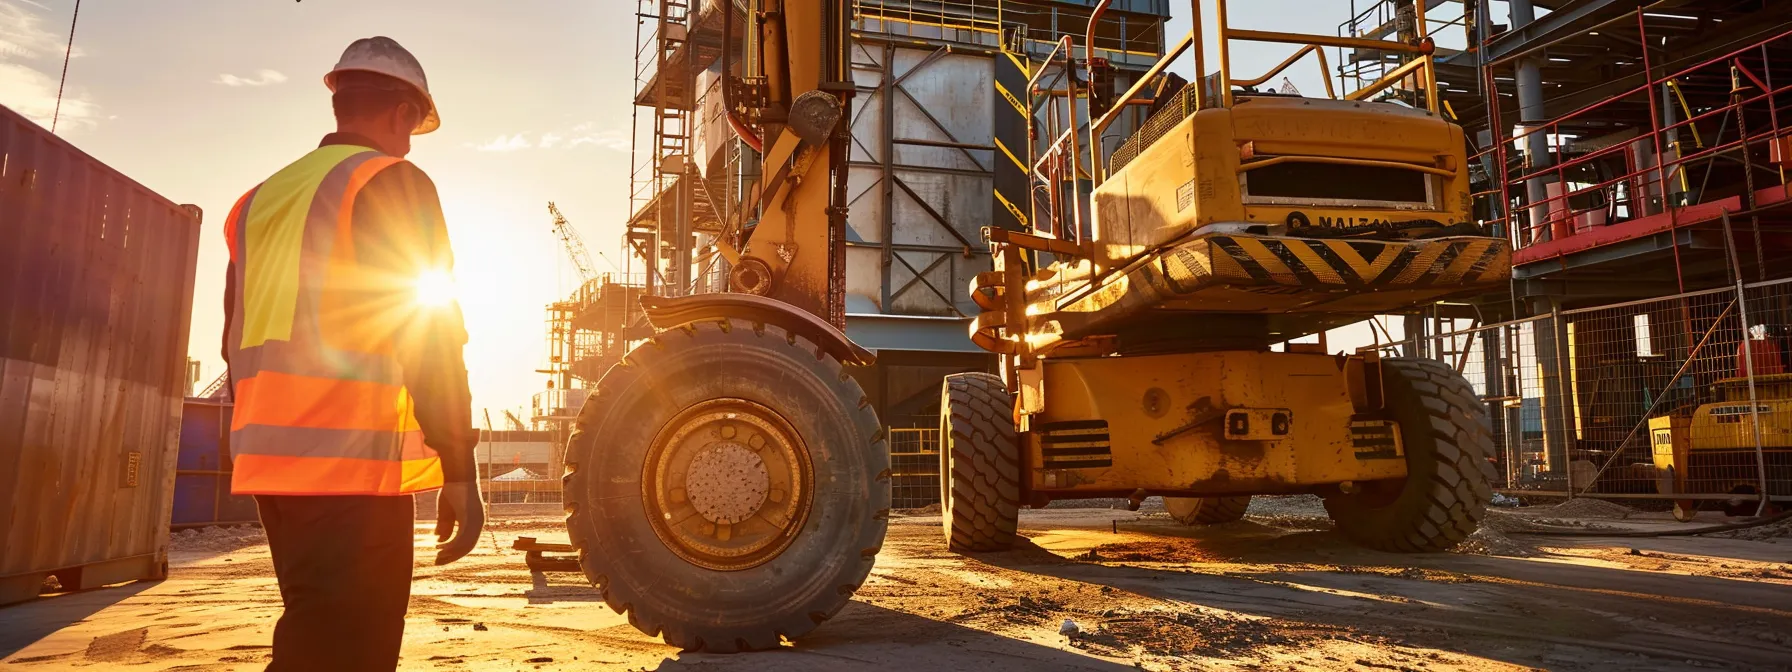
[1349, 264]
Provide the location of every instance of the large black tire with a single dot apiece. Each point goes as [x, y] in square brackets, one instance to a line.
[640, 574]
[1207, 510]
[979, 464]
[1447, 438]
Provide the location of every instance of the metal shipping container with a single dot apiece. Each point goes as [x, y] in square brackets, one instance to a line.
[96, 288]
[202, 473]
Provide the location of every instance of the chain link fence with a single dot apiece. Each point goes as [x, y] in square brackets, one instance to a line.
[914, 467]
[1683, 397]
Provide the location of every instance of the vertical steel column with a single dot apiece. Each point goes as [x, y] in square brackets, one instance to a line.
[1528, 79]
[1664, 123]
[888, 225]
[1552, 357]
[1656, 123]
[1490, 89]
[1559, 331]
[1413, 328]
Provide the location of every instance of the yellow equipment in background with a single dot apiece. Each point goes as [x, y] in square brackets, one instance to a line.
[1136, 346]
[1711, 450]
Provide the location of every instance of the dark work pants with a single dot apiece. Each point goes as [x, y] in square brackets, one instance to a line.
[344, 566]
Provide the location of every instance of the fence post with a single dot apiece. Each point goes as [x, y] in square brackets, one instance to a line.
[1558, 333]
[1748, 370]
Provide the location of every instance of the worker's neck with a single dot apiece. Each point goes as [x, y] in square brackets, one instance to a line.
[383, 139]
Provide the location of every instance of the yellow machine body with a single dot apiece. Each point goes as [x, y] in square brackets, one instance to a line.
[1712, 449]
[1206, 424]
[1223, 226]
[1201, 172]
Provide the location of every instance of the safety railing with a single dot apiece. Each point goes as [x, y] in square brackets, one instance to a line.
[557, 403]
[1057, 166]
[1381, 18]
[1544, 188]
[1059, 98]
[980, 22]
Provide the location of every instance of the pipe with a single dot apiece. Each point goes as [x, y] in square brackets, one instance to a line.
[740, 127]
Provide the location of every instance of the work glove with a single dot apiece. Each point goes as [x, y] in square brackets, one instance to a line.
[460, 515]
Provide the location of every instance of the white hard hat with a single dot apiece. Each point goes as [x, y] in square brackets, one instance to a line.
[382, 55]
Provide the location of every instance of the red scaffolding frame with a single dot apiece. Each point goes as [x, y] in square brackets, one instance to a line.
[1552, 228]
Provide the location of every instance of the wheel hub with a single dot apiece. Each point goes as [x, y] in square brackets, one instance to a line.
[727, 484]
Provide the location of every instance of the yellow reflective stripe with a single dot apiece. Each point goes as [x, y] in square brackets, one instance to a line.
[274, 241]
[1019, 108]
[1011, 156]
[1024, 70]
[1018, 215]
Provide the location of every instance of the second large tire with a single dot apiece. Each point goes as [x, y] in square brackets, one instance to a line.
[979, 464]
[1207, 510]
[1447, 439]
[644, 569]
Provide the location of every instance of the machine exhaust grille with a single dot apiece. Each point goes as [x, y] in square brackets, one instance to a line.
[1075, 444]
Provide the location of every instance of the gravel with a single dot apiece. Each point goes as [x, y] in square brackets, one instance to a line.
[1769, 533]
[216, 539]
[1488, 540]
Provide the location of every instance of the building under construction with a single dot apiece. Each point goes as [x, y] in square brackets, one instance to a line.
[1635, 154]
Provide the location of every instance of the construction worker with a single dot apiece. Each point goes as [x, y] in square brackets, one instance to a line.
[344, 348]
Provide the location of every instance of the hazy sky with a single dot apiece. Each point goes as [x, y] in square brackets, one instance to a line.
[202, 99]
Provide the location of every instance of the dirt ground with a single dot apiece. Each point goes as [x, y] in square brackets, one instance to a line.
[1276, 591]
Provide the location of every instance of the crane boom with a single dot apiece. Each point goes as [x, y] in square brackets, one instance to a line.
[575, 246]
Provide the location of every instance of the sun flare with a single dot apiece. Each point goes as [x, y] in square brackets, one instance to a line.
[435, 289]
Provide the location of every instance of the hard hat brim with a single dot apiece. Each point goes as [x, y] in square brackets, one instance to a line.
[432, 119]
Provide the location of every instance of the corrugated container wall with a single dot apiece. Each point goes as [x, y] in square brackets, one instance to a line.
[96, 288]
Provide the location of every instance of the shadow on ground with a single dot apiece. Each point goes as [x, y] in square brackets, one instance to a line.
[20, 627]
[868, 637]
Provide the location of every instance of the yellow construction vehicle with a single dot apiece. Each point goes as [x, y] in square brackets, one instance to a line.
[728, 483]
[1136, 345]
[1710, 450]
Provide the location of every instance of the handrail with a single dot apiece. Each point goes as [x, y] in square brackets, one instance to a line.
[1048, 165]
[1421, 48]
[1094, 21]
[1387, 80]
[1343, 161]
[1325, 73]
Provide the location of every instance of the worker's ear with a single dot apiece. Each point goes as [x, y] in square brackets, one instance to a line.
[406, 118]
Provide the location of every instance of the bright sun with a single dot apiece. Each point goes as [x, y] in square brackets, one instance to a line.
[435, 289]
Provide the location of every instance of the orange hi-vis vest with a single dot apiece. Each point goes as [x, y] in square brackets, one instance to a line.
[321, 406]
